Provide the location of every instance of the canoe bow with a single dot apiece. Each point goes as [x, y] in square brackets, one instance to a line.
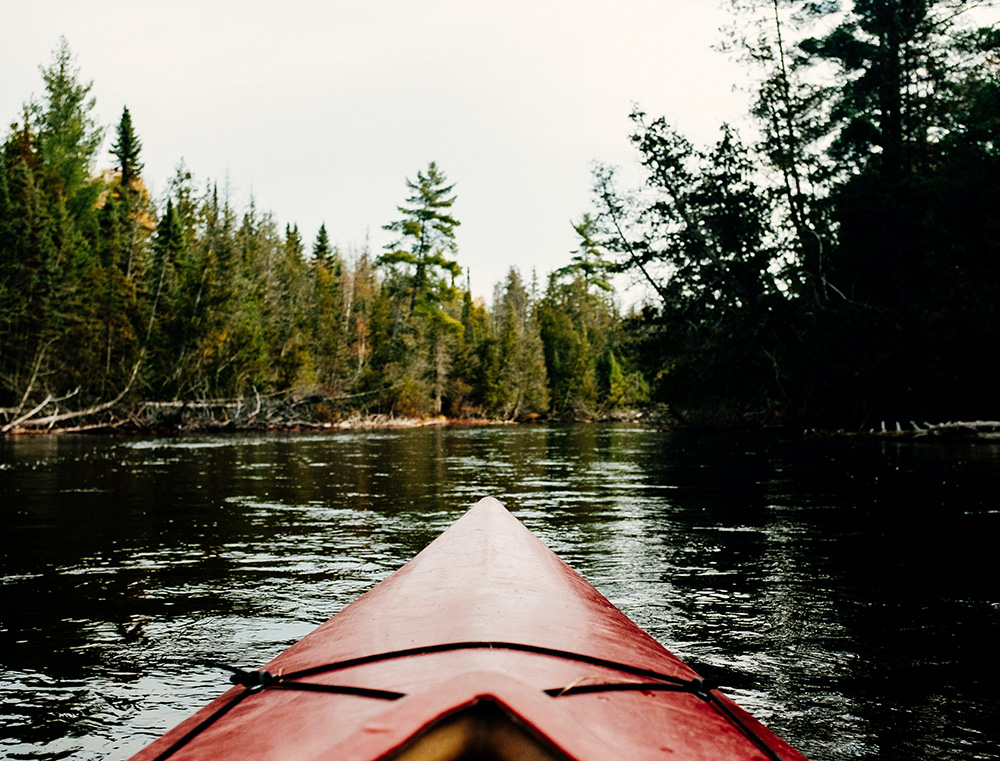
[484, 645]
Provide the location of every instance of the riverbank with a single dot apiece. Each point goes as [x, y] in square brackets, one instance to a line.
[182, 423]
[258, 413]
[321, 413]
[963, 430]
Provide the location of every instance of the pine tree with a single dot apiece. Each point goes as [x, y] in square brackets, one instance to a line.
[322, 250]
[701, 232]
[419, 261]
[589, 259]
[428, 229]
[330, 318]
[161, 335]
[469, 382]
[126, 149]
[68, 135]
[292, 360]
[569, 354]
[516, 381]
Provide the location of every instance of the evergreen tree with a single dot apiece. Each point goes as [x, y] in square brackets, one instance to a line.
[293, 364]
[330, 318]
[428, 229]
[473, 354]
[516, 379]
[118, 305]
[161, 339]
[702, 234]
[322, 250]
[50, 264]
[251, 324]
[27, 261]
[424, 330]
[126, 150]
[68, 135]
[571, 331]
[589, 260]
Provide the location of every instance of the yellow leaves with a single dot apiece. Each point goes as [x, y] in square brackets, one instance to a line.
[141, 209]
[214, 341]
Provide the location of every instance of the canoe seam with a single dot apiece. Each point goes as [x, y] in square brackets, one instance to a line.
[481, 645]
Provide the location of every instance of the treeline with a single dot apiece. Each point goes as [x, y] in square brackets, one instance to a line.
[841, 268]
[837, 269]
[108, 299]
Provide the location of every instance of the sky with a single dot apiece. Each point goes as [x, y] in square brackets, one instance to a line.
[322, 109]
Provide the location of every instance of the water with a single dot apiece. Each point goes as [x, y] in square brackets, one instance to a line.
[844, 591]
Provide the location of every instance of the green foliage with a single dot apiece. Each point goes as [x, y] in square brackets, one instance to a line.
[44, 256]
[126, 149]
[428, 228]
[322, 252]
[329, 315]
[582, 334]
[703, 231]
[105, 296]
[473, 363]
[514, 377]
[68, 136]
[589, 260]
[427, 320]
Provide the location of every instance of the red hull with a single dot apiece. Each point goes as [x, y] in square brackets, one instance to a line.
[486, 615]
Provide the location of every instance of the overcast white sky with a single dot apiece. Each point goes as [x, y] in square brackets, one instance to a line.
[322, 108]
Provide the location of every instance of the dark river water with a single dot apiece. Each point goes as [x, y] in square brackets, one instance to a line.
[844, 591]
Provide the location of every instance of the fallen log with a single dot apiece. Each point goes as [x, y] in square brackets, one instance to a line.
[29, 420]
[26, 418]
[970, 429]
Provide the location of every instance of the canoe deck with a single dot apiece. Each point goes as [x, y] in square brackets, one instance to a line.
[484, 646]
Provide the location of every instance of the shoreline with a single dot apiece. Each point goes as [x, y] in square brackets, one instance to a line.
[367, 422]
[372, 422]
[313, 414]
[970, 430]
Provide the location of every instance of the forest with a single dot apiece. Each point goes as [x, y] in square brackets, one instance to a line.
[832, 263]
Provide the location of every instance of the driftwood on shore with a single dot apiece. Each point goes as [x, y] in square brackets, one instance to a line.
[34, 420]
[283, 411]
[256, 412]
[974, 429]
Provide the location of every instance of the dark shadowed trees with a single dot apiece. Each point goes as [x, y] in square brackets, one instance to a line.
[831, 274]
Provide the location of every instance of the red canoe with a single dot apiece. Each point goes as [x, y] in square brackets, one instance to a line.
[484, 646]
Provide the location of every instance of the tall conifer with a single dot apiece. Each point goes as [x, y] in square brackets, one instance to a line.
[126, 150]
[68, 134]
